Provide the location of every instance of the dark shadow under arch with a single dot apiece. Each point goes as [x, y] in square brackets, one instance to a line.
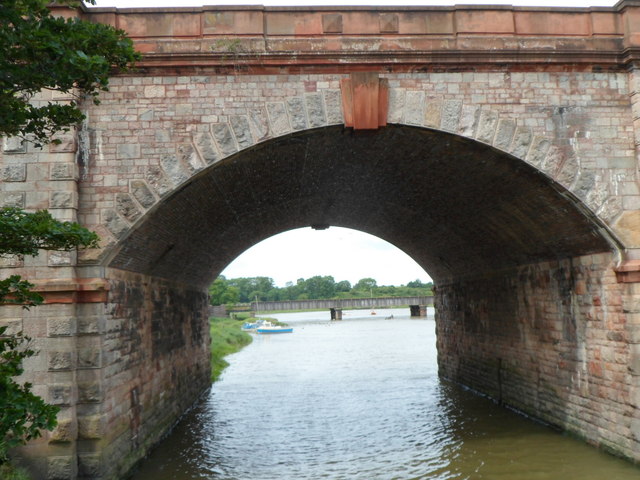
[458, 207]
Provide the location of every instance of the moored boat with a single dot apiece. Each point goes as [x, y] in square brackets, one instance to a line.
[268, 327]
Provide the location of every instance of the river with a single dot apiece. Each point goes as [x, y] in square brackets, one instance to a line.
[360, 399]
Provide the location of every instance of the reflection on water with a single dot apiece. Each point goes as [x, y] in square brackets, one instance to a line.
[360, 399]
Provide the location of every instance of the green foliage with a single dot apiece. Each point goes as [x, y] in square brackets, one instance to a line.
[226, 337]
[25, 233]
[318, 287]
[22, 414]
[9, 472]
[40, 51]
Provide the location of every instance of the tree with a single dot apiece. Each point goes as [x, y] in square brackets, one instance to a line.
[221, 293]
[43, 52]
[365, 284]
[23, 414]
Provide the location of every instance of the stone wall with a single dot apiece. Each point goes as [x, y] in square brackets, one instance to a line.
[157, 363]
[551, 340]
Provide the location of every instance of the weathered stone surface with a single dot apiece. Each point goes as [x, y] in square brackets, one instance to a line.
[13, 145]
[61, 326]
[89, 358]
[414, 111]
[242, 131]
[14, 173]
[469, 118]
[90, 392]
[142, 193]
[207, 148]
[12, 199]
[333, 102]
[158, 181]
[62, 200]
[62, 171]
[128, 150]
[451, 110]
[521, 142]
[259, 122]
[127, 207]
[224, 139]
[396, 105]
[278, 118]
[315, 109]
[189, 157]
[504, 134]
[60, 394]
[61, 259]
[61, 467]
[67, 429]
[297, 113]
[89, 465]
[67, 143]
[627, 227]
[114, 223]
[91, 427]
[487, 126]
[174, 169]
[60, 360]
[13, 325]
[538, 151]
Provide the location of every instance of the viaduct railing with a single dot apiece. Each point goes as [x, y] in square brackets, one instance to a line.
[385, 302]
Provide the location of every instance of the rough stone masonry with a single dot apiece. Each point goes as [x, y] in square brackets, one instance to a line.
[495, 145]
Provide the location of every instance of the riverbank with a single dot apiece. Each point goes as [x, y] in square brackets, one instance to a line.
[227, 337]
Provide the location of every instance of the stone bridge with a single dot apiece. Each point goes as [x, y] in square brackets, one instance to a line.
[380, 302]
[497, 146]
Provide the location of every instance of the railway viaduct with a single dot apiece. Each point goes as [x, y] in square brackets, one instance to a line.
[497, 146]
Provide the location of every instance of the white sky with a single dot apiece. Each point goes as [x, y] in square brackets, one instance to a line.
[344, 254]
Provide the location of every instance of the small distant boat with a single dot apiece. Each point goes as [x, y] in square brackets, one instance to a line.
[268, 327]
[251, 327]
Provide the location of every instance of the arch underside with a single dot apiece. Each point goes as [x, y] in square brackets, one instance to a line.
[458, 207]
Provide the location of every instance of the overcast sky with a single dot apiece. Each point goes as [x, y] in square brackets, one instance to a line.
[344, 254]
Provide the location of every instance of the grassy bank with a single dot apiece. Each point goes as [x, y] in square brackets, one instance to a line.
[226, 337]
[9, 472]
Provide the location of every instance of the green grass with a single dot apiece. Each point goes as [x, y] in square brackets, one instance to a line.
[9, 472]
[226, 337]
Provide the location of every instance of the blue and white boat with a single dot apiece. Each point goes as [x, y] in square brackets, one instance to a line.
[268, 327]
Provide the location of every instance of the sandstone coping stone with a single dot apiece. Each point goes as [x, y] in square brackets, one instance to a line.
[469, 118]
[432, 112]
[504, 134]
[521, 141]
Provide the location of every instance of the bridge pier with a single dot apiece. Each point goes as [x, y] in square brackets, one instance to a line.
[336, 313]
[418, 310]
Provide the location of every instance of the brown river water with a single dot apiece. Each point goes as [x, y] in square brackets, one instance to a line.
[361, 399]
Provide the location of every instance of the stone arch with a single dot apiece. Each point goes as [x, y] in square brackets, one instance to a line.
[239, 133]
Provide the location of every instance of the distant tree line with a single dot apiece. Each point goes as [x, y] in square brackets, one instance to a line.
[225, 291]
